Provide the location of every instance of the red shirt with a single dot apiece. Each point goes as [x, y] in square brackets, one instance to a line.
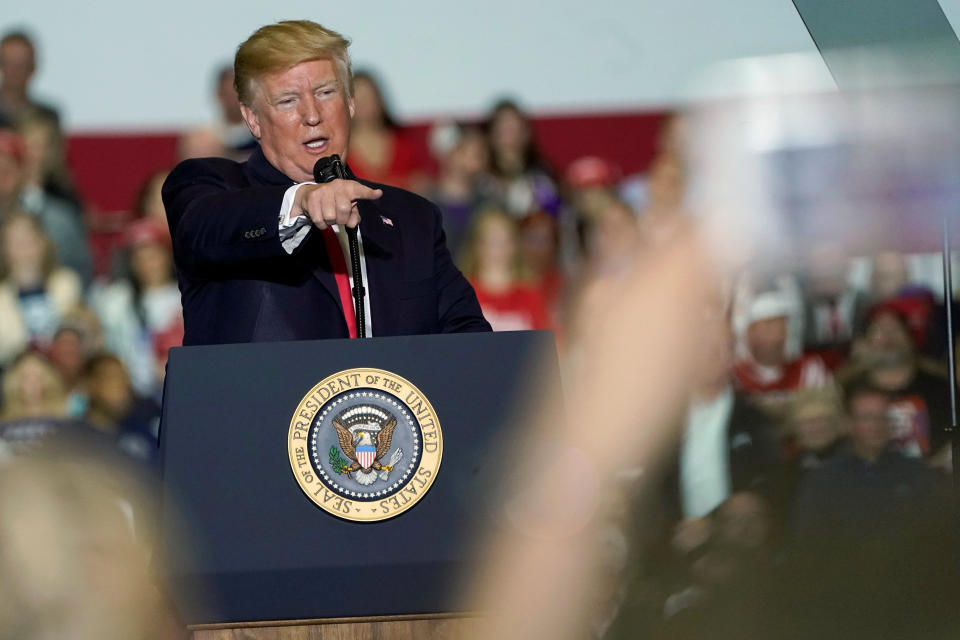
[396, 171]
[773, 389]
[516, 309]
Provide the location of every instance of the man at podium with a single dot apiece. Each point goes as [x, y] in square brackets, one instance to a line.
[262, 250]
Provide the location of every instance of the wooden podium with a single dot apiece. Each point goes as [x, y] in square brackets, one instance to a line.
[441, 626]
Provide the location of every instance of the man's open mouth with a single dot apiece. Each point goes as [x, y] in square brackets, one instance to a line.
[316, 144]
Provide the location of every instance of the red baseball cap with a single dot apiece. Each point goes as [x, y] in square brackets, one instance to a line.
[143, 232]
[592, 171]
[914, 310]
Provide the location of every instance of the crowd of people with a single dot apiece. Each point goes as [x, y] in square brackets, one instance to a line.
[800, 499]
[815, 442]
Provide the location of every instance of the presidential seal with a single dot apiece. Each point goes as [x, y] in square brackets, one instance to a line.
[365, 445]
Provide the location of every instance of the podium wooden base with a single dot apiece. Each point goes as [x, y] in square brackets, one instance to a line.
[443, 626]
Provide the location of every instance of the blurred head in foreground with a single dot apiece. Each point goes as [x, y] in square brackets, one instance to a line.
[73, 564]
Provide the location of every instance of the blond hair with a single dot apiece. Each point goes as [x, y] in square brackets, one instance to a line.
[819, 401]
[277, 47]
[54, 396]
[469, 261]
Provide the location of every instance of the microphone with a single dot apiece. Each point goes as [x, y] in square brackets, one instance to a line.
[327, 169]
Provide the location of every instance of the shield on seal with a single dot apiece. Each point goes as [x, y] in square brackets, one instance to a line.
[366, 455]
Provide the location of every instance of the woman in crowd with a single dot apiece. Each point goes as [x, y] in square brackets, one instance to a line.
[491, 263]
[608, 242]
[35, 293]
[115, 409]
[610, 237]
[46, 159]
[146, 303]
[32, 388]
[112, 228]
[814, 434]
[539, 258]
[524, 180]
[377, 149]
[77, 339]
[464, 185]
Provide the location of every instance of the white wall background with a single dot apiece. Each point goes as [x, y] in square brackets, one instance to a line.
[112, 64]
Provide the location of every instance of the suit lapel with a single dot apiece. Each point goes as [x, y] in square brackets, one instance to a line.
[382, 250]
[313, 256]
[319, 262]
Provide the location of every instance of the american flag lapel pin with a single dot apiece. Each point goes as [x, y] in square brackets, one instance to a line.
[387, 221]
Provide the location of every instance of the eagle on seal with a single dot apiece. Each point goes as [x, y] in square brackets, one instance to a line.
[366, 438]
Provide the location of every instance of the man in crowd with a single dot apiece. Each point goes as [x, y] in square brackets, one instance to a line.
[728, 445]
[229, 137]
[113, 408]
[57, 216]
[232, 130]
[919, 394]
[833, 310]
[768, 372]
[871, 533]
[464, 185]
[870, 481]
[726, 591]
[17, 65]
[261, 249]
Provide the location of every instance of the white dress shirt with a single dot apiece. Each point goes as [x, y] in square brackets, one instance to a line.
[705, 459]
[293, 231]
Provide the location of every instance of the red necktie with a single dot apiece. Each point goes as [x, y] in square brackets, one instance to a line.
[335, 251]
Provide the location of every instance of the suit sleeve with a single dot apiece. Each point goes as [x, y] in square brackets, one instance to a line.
[459, 311]
[217, 219]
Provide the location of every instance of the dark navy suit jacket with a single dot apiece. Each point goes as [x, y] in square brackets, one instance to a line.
[238, 284]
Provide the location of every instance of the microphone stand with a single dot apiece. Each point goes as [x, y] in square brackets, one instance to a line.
[328, 169]
[358, 289]
[952, 365]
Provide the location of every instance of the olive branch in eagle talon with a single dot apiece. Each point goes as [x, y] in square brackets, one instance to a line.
[383, 439]
[339, 464]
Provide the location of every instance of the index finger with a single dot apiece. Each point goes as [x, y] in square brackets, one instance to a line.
[359, 191]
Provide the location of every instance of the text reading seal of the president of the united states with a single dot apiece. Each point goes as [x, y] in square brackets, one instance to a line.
[365, 444]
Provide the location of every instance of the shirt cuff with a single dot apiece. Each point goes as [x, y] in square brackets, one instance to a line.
[292, 231]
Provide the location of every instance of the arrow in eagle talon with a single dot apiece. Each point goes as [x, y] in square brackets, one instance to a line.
[394, 458]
